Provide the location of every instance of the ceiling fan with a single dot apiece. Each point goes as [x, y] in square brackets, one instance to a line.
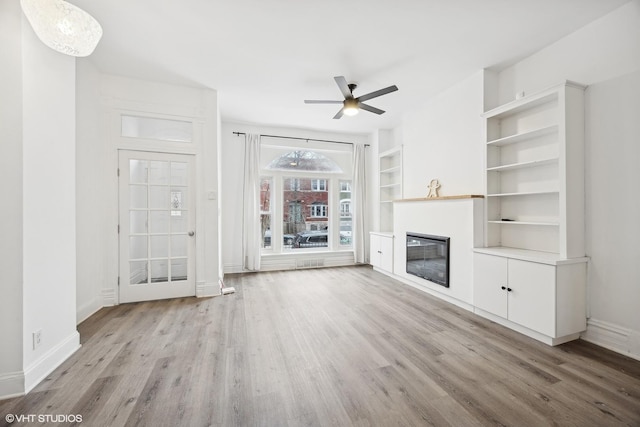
[351, 104]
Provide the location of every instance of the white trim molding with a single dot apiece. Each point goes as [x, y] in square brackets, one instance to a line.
[87, 310]
[49, 361]
[613, 337]
[11, 385]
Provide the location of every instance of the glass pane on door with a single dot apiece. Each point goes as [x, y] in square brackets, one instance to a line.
[158, 221]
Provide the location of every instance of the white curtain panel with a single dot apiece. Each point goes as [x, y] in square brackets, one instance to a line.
[359, 197]
[251, 230]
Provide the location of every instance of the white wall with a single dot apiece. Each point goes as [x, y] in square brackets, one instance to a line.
[49, 233]
[608, 47]
[91, 152]
[613, 210]
[442, 140]
[42, 186]
[606, 56]
[232, 170]
[11, 318]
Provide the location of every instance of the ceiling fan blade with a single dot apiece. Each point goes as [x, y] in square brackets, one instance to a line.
[378, 93]
[344, 86]
[370, 108]
[318, 101]
[340, 113]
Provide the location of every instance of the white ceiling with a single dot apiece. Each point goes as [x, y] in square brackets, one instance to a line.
[264, 57]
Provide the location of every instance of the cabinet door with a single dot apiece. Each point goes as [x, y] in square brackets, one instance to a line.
[374, 250]
[386, 255]
[489, 276]
[532, 301]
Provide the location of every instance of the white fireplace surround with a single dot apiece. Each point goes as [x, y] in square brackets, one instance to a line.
[460, 219]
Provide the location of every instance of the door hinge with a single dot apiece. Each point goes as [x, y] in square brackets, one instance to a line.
[118, 228]
[118, 280]
[118, 171]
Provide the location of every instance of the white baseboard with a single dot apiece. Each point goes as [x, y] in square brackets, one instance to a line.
[233, 268]
[613, 337]
[526, 331]
[49, 361]
[430, 291]
[87, 310]
[204, 289]
[11, 385]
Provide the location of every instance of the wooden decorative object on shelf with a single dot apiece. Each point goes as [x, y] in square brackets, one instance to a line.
[433, 188]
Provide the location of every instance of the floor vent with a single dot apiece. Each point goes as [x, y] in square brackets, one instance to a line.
[309, 263]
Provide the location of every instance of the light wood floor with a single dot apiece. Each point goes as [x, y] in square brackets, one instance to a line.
[344, 346]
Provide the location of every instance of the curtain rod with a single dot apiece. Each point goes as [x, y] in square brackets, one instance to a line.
[302, 139]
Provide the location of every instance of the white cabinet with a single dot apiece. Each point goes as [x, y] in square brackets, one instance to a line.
[381, 251]
[535, 172]
[390, 174]
[548, 299]
[531, 272]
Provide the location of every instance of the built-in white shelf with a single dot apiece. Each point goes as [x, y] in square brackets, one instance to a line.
[546, 224]
[390, 184]
[395, 184]
[391, 170]
[524, 193]
[551, 258]
[524, 136]
[521, 165]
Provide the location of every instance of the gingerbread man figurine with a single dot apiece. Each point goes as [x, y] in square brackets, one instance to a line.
[433, 188]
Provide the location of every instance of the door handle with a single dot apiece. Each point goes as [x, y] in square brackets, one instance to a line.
[192, 233]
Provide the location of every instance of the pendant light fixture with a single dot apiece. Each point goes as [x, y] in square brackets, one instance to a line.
[62, 26]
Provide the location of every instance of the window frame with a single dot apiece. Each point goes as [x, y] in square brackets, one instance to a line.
[315, 185]
[329, 182]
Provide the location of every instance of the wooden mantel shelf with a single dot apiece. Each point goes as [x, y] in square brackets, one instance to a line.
[428, 199]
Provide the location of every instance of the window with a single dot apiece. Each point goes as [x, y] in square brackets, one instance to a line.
[265, 211]
[319, 185]
[345, 214]
[345, 208]
[309, 199]
[303, 160]
[155, 128]
[319, 211]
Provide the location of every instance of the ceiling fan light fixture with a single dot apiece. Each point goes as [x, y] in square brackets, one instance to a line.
[350, 107]
[62, 26]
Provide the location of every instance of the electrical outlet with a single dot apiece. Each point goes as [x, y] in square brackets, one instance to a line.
[37, 338]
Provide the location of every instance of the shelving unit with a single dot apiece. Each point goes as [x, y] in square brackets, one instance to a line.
[531, 273]
[534, 172]
[390, 187]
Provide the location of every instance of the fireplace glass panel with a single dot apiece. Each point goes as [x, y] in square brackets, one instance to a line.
[428, 257]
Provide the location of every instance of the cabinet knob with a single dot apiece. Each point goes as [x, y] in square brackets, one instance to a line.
[504, 288]
[508, 289]
[379, 252]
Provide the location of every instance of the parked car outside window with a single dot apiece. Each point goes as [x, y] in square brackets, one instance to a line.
[311, 239]
[287, 239]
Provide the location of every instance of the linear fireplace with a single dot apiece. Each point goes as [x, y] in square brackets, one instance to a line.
[428, 257]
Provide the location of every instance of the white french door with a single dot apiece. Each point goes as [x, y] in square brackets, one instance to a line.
[156, 226]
